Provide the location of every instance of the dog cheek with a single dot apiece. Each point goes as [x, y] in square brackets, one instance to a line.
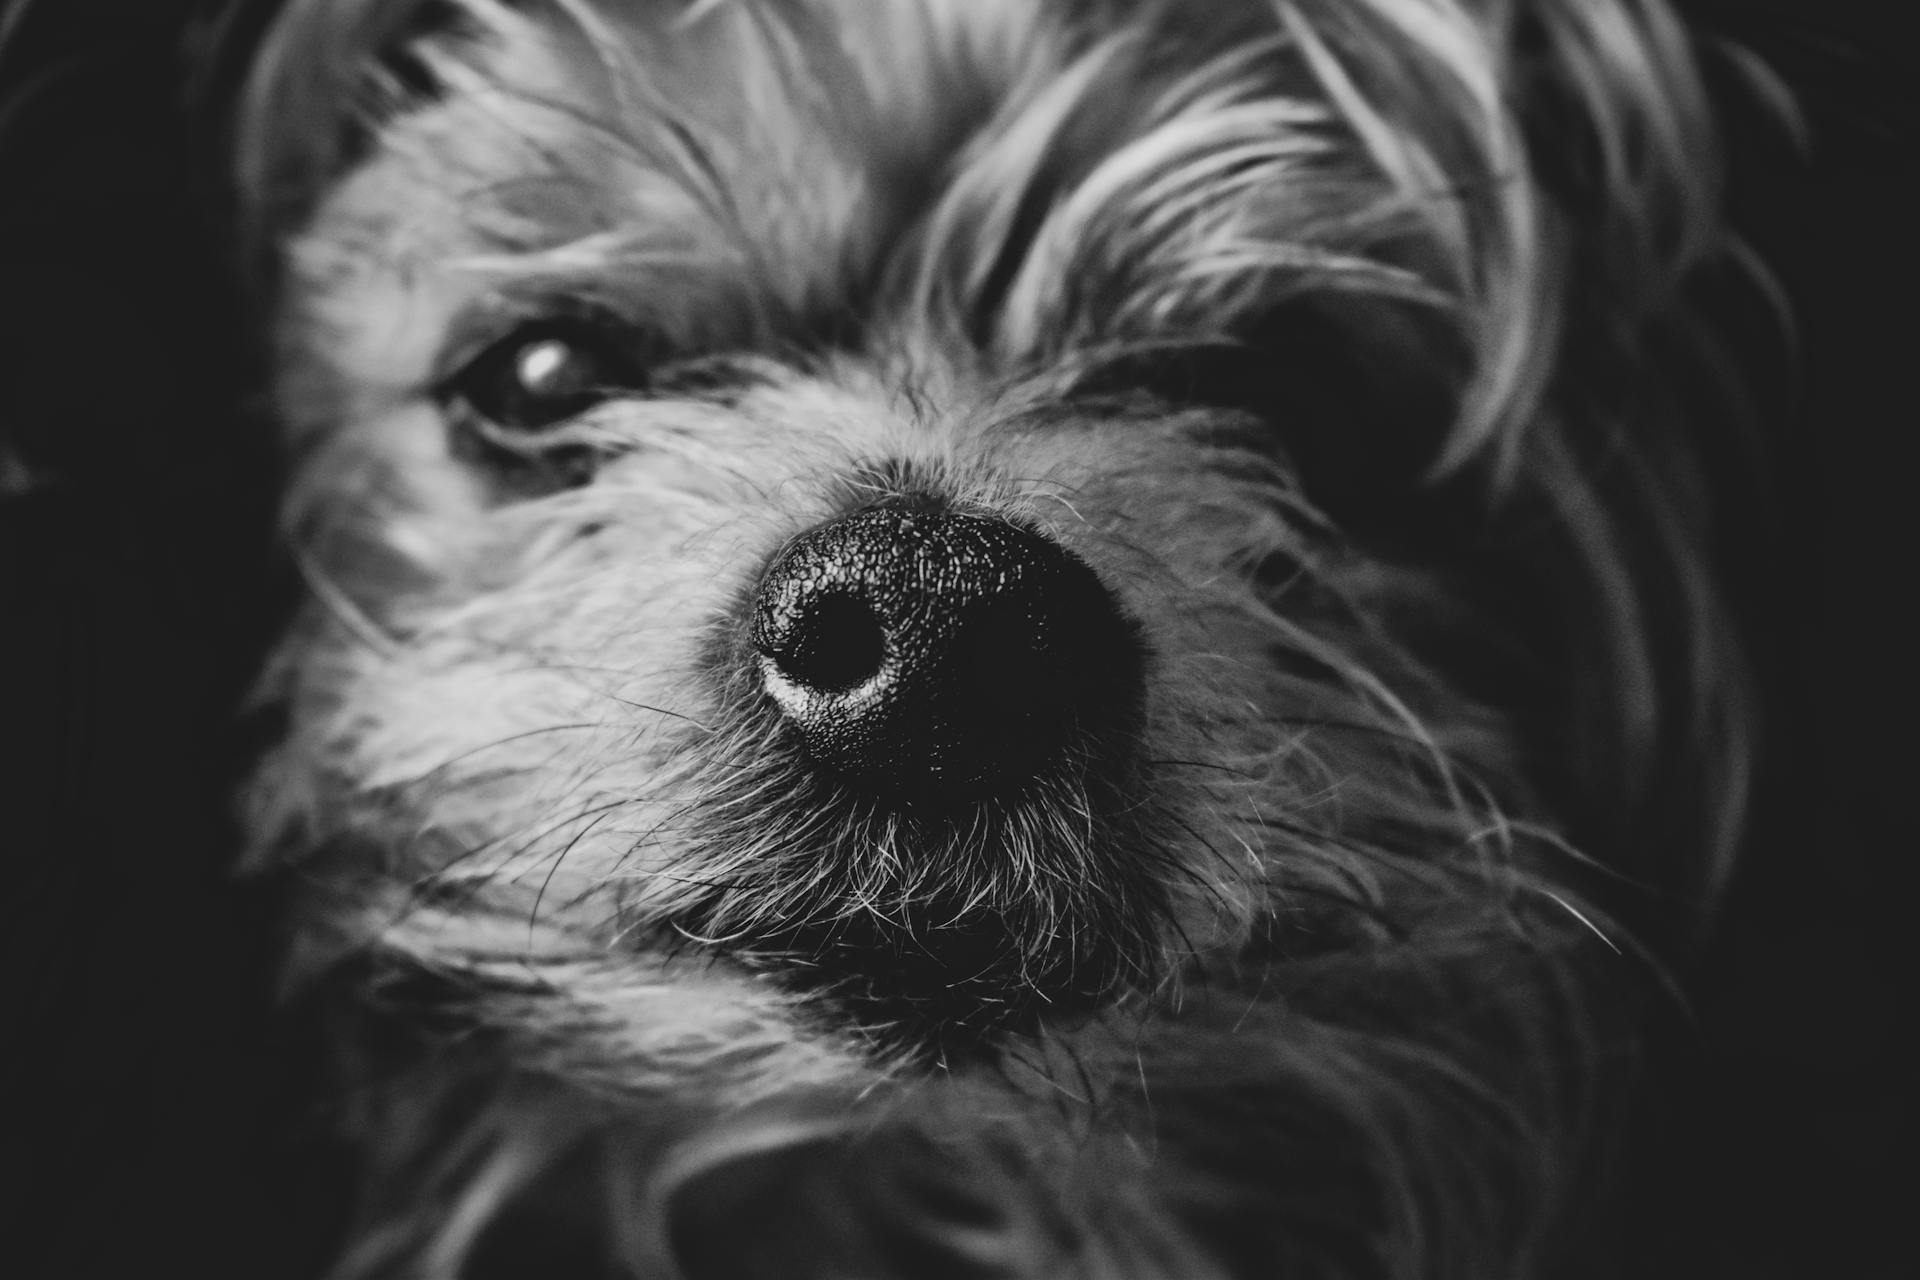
[436, 738]
[382, 514]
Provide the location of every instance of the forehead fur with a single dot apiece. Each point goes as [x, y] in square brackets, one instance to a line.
[739, 174]
[1024, 178]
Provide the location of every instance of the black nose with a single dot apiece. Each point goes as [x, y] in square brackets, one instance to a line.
[928, 651]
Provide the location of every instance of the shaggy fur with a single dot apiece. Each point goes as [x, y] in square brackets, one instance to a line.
[1327, 333]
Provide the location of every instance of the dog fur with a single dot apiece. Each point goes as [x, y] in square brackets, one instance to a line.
[1338, 338]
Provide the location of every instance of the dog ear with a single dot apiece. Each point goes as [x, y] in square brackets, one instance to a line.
[322, 77]
[1561, 156]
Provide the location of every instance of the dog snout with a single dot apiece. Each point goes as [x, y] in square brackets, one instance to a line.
[924, 651]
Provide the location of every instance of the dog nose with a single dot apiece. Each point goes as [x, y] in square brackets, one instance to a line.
[933, 652]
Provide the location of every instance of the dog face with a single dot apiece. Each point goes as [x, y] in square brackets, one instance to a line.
[997, 579]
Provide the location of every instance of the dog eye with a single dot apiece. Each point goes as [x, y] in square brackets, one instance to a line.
[546, 373]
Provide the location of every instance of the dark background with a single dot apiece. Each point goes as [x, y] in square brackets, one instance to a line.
[136, 593]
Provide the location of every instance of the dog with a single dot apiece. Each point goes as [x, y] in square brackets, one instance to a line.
[973, 638]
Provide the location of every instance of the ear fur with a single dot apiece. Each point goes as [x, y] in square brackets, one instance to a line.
[325, 75]
[1563, 155]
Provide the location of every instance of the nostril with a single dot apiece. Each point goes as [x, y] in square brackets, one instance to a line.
[827, 644]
